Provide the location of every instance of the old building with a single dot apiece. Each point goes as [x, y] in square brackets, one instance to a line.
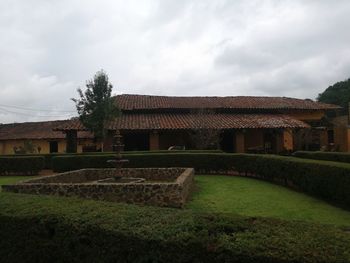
[38, 137]
[243, 124]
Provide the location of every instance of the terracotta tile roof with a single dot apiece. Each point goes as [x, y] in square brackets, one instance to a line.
[35, 130]
[173, 121]
[128, 102]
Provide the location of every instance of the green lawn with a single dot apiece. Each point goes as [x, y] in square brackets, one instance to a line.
[251, 197]
[13, 179]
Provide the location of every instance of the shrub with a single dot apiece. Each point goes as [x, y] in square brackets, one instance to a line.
[50, 229]
[21, 165]
[328, 180]
[48, 156]
[205, 162]
[327, 156]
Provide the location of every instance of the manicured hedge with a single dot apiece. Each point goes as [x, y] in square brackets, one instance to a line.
[21, 165]
[324, 179]
[328, 180]
[52, 229]
[48, 156]
[196, 160]
[327, 156]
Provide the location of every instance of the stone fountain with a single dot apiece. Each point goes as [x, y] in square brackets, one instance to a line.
[118, 163]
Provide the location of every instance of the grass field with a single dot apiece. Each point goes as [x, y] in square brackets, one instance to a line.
[13, 179]
[251, 197]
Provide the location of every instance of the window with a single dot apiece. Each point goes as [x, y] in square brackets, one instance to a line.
[53, 147]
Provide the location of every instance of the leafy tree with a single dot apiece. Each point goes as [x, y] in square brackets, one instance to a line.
[338, 94]
[96, 107]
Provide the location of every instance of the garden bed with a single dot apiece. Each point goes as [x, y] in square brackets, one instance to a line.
[158, 190]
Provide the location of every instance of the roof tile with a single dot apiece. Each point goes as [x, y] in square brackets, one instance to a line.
[36, 130]
[128, 102]
[173, 121]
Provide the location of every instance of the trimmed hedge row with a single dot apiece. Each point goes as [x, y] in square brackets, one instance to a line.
[21, 165]
[327, 156]
[324, 179]
[48, 156]
[328, 180]
[51, 229]
[196, 160]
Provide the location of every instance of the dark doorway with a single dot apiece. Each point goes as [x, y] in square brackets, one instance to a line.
[53, 147]
[227, 141]
[330, 135]
[270, 141]
[136, 141]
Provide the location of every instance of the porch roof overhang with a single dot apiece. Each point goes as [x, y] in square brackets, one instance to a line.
[180, 121]
[44, 130]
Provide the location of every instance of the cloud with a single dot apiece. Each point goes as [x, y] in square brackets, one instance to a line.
[45, 97]
[198, 47]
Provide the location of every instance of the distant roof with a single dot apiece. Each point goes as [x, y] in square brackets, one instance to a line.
[180, 121]
[35, 130]
[128, 102]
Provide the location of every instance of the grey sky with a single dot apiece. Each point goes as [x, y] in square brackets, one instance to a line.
[181, 47]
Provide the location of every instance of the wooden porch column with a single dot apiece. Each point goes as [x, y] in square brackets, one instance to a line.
[323, 138]
[279, 141]
[240, 146]
[72, 141]
[153, 141]
[288, 139]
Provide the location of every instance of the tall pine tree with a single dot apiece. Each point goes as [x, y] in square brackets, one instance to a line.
[96, 107]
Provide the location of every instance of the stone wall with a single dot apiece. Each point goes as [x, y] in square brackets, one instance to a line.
[89, 175]
[186, 183]
[80, 183]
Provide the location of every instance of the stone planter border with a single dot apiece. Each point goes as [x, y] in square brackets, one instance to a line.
[168, 187]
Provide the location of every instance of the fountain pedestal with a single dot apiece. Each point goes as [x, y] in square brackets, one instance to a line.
[118, 163]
